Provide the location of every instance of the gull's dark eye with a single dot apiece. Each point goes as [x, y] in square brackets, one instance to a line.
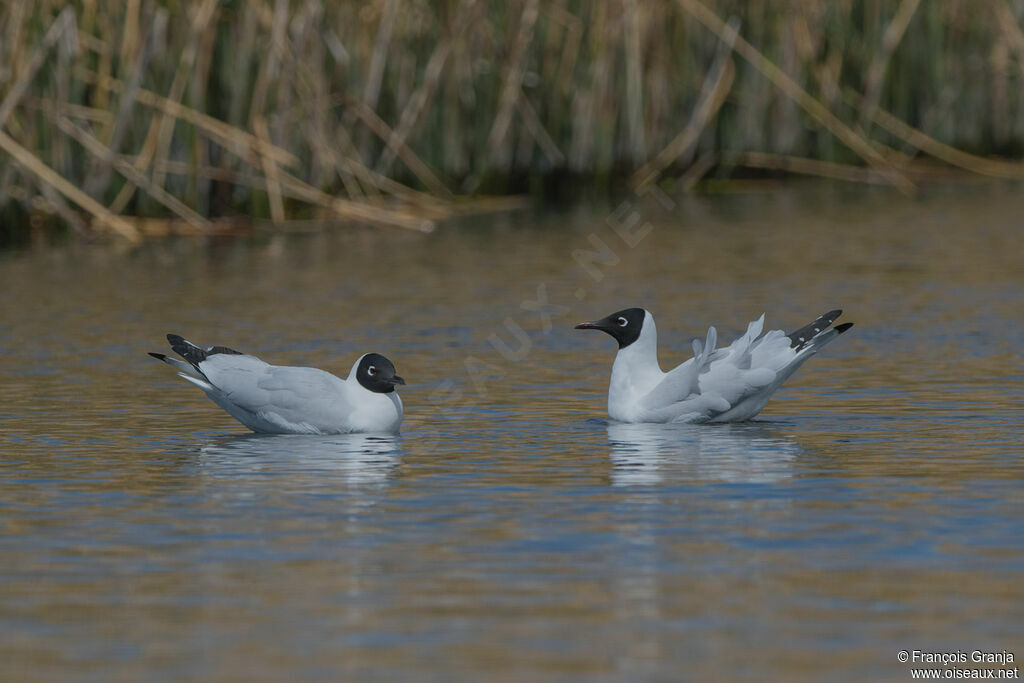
[371, 371]
[621, 321]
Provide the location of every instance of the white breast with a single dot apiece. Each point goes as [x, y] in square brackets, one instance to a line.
[373, 412]
[634, 374]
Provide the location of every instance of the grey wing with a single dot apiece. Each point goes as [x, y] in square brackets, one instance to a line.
[715, 379]
[675, 386]
[291, 393]
[237, 378]
[292, 388]
[684, 381]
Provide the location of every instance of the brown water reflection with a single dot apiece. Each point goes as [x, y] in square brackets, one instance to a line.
[509, 531]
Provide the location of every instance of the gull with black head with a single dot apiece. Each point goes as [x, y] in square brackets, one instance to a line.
[277, 399]
[730, 384]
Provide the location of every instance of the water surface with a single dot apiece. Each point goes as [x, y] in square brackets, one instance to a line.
[510, 532]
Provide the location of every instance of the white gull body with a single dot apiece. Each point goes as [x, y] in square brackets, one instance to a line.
[293, 400]
[731, 384]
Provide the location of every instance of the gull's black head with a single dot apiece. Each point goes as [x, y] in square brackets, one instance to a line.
[625, 325]
[377, 373]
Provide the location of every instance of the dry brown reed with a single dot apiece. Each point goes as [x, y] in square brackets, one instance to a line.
[384, 111]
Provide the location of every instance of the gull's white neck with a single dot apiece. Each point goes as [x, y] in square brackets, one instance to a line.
[355, 368]
[635, 372]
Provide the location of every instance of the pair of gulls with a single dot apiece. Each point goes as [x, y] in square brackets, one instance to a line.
[730, 384]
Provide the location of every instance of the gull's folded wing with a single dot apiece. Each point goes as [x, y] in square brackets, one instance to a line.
[713, 380]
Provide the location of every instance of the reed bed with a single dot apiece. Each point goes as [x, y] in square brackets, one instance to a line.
[137, 117]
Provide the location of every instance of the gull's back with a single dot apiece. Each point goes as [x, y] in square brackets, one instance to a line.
[731, 384]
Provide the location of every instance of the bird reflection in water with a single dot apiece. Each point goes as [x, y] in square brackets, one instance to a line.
[641, 454]
[355, 459]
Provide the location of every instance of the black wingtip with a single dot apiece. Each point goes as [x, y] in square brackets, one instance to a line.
[842, 328]
[158, 356]
[190, 352]
[805, 334]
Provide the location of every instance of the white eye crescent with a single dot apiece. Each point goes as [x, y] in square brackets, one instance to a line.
[621, 321]
[371, 371]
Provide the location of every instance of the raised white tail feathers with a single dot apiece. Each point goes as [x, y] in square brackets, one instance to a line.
[742, 347]
[706, 354]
